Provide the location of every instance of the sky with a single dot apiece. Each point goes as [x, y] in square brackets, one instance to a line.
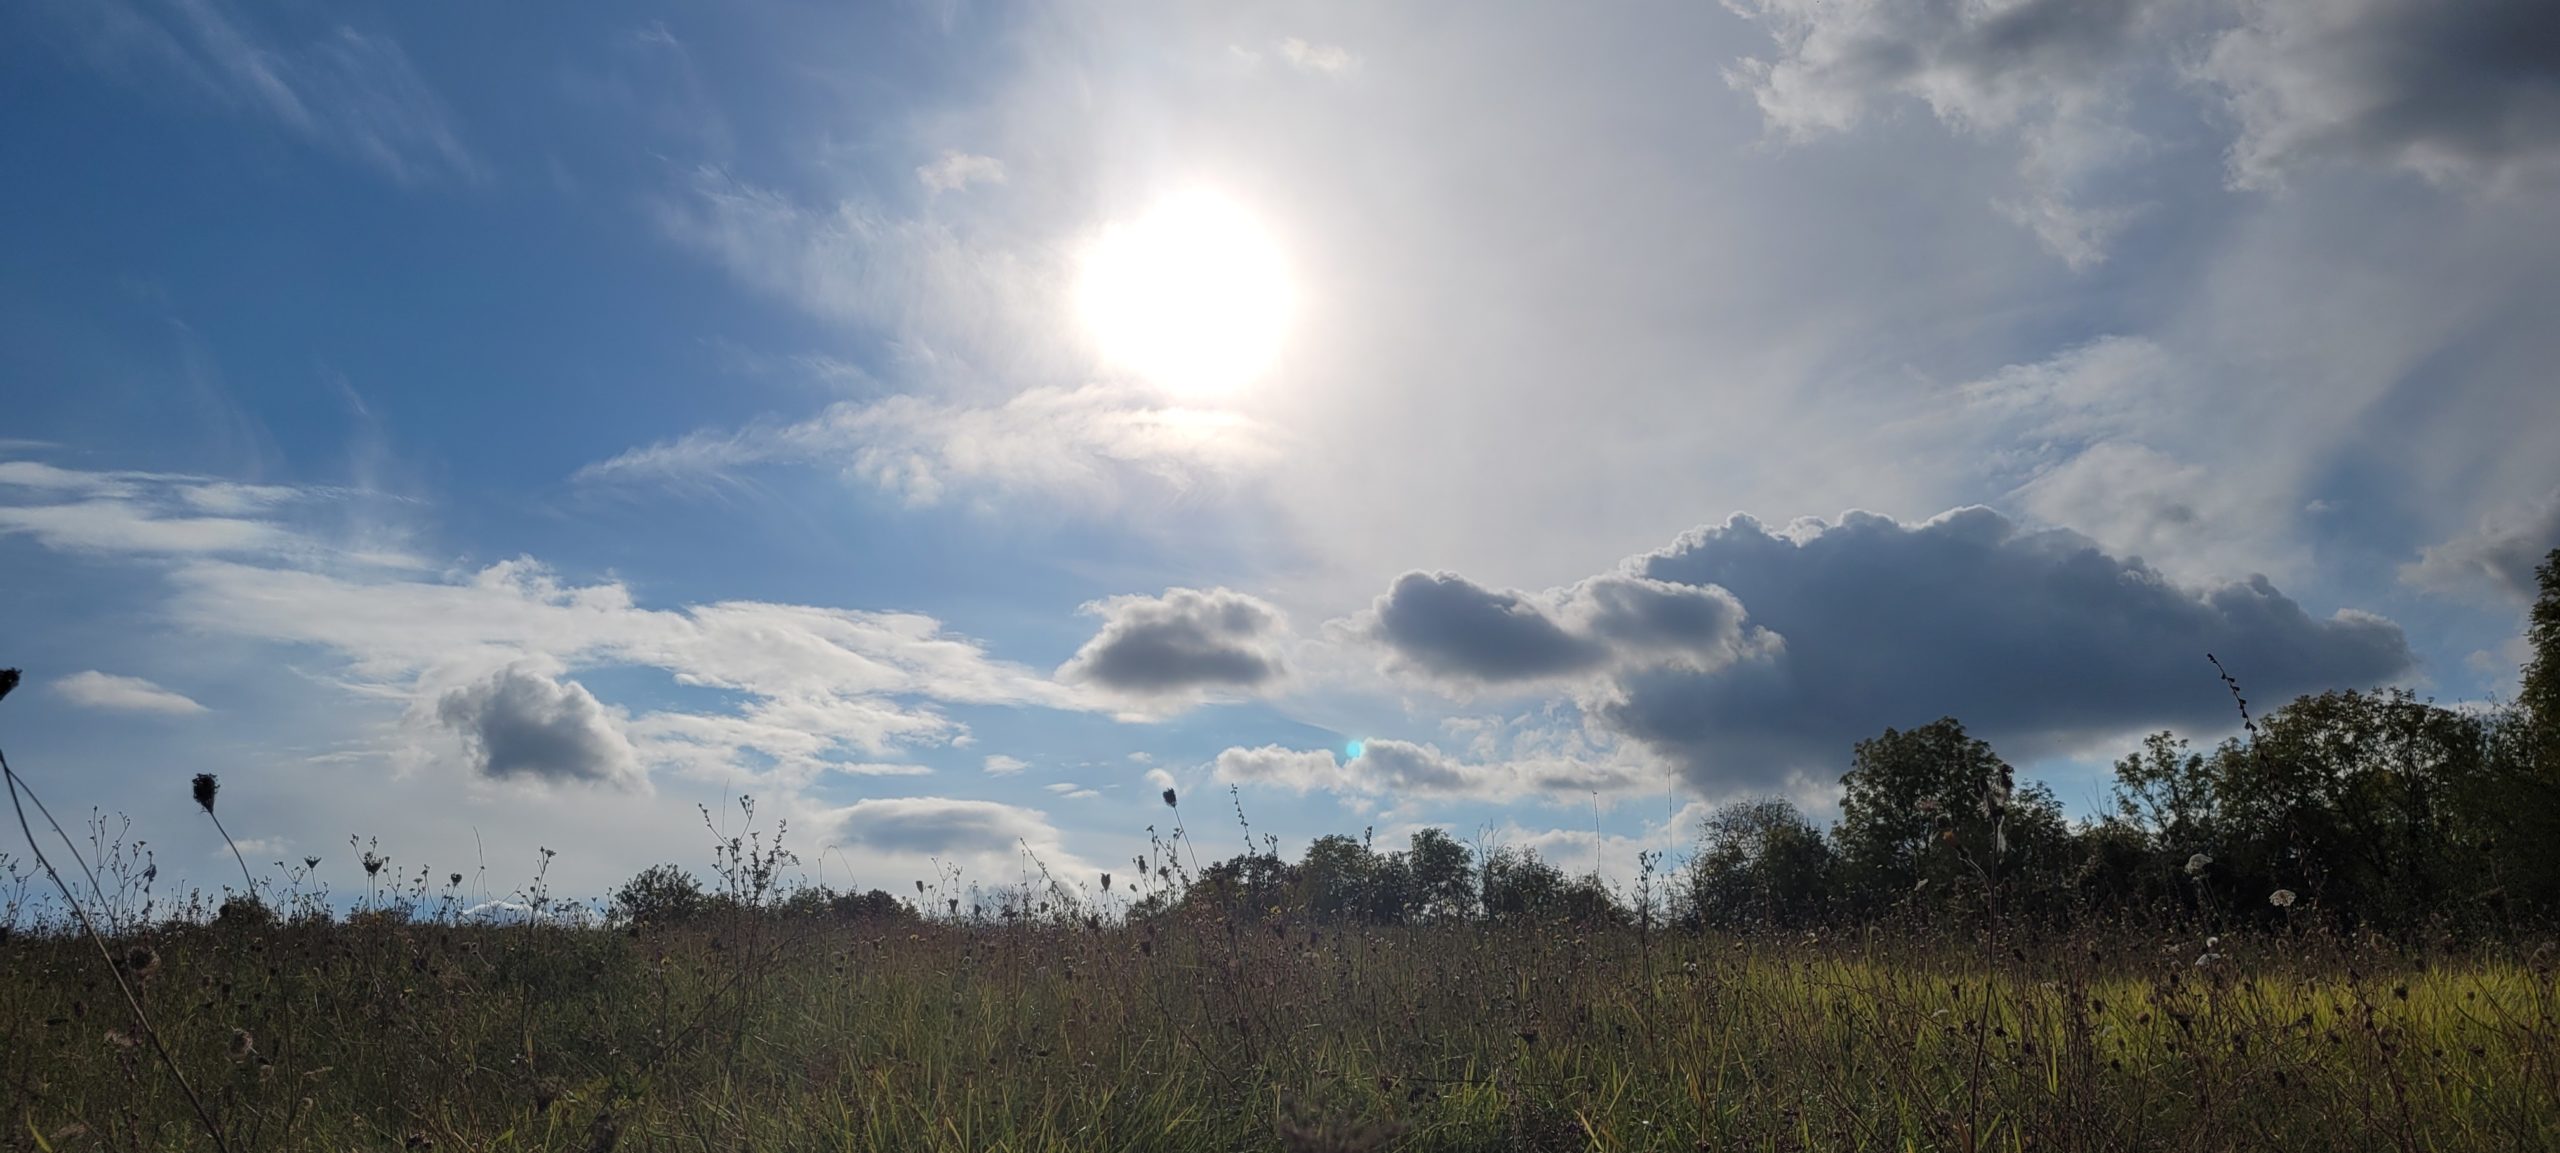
[475, 431]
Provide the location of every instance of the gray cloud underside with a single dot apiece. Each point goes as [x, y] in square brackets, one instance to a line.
[1447, 626]
[1184, 641]
[520, 725]
[941, 825]
[2036, 638]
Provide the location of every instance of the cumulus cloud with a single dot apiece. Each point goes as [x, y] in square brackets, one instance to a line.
[1088, 445]
[1003, 766]
[1446, 626]
[1180, 646]
[2467, 91]
[2500, 555]
[958, 170]
[2039, 638]
[97, 690]
[521, 725]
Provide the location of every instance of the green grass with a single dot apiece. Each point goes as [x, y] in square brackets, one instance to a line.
[1209, 1033]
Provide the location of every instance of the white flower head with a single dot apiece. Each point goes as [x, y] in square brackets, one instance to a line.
[2197, 864]
[2281, 898]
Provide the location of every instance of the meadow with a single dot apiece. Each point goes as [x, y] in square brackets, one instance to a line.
[1227, 1028]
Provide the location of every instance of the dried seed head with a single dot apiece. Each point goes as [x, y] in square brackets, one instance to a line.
[2281, 898]
[243, 1046]
[1168, 799]
[206, 786]
[141, 961]
[8, 681]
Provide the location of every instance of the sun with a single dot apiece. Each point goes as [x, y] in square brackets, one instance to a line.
[1192, 297]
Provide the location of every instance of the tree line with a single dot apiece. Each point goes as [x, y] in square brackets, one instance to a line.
[2370, 808]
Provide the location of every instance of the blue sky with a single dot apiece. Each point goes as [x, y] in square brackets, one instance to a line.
[951, 423]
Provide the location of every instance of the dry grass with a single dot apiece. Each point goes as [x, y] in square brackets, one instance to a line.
[1216, 1032]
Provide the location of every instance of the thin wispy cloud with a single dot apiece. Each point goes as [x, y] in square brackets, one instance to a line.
[97, 690]
[343, 89]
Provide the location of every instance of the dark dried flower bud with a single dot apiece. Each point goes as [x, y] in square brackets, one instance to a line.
[1168, 798]
[206, 786]
[8, 681]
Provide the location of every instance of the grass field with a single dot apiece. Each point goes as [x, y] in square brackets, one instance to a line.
[1209, 1031]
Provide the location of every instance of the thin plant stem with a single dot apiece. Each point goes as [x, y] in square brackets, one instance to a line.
[81, 913]
[235, 854]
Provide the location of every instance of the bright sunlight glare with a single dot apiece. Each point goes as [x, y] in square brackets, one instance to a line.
[1192, 297]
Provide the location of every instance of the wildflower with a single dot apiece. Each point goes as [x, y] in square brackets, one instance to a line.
[1106, 882]
[1168, 799]
[454, 880]
[206, 786]
[919, 884]
[121, 1039]
[2197, 864]
[311, 862]
[2281, 898]
[373, 864]
[243, 1046]
[141, 961]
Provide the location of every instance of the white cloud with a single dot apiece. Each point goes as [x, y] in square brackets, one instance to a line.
[2498, 556]
[1323, 58]
[955, 171]
[1088, 446]
[2047, 74]
[177, 515]
[816, 690]
[97, 690]
[1004, 766]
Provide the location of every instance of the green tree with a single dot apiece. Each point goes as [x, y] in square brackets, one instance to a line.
[660, 894]
[1914, 804]
[1442, 875]
[2381, 805]
[1759, 862]
[2541, 696]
